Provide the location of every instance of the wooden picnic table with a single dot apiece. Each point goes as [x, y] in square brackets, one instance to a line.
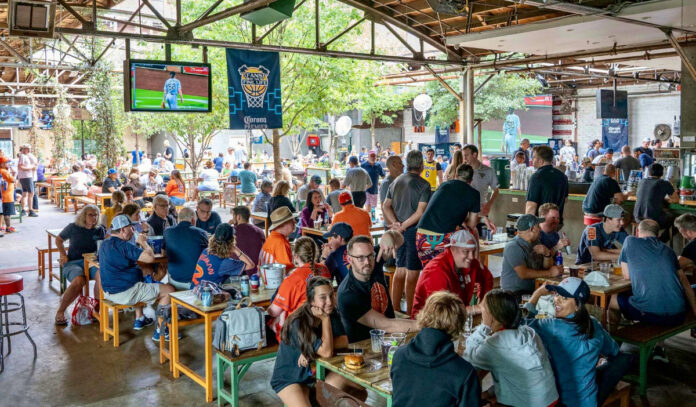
[90, 259]
[261, 216]
[376, 231]
[617, 284]
[488, 248]
[189, 301]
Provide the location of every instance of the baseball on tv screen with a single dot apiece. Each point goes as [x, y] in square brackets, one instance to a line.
[159, 86]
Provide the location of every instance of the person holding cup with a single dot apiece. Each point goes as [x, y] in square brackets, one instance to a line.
[315, 211]
[513, 353]
[428, 371]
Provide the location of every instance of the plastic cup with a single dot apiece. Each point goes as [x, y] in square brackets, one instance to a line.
[574, 271]
[386, 345]
[376, 336]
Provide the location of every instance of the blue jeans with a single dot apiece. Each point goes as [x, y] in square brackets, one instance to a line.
[609, 374]
[176, 201]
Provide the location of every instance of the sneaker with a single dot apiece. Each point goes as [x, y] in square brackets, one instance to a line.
[33, 214]
[156, 335]
[142, 323]
[11, 229]
[659, 354]
[24, 213]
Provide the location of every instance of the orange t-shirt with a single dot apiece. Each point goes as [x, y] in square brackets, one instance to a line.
[276, 249]
[8, 186]
[173, 189]
[292, 292]
[357, 218]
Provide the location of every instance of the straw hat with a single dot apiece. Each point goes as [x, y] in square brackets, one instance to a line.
[280, 216]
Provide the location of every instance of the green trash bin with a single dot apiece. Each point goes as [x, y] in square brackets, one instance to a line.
[501, 166]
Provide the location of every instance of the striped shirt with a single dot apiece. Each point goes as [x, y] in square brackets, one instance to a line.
[276, 249]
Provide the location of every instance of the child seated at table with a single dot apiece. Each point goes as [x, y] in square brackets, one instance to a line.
[292, 291]
[428, 371]
[313, 331]
[222, 259]
[513, 354]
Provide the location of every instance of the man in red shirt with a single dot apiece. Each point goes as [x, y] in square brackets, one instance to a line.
[455, 270]
[358, 218]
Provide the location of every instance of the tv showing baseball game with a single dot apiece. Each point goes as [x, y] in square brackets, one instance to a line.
[15, 116]
[159, 86]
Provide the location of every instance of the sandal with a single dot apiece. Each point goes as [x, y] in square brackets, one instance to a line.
[61, 321]
[11, 229]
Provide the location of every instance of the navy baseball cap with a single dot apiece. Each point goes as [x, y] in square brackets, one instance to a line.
[316, 179]
[572, 287]
[224, 232]
[341, 229]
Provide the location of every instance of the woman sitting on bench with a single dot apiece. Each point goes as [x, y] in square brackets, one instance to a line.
[575, 341]
[314, 330]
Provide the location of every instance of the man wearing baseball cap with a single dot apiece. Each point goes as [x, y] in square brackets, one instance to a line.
[333, 253]
[358, 180]
[122, 279]
[314, 183]
[575, 341]
[111, 182]
[276, 248]
[455, 270]
[358, 218]
[374, 170]
[597, 242]
[518, 276]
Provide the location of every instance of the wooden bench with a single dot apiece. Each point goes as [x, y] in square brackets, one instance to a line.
[645, 337]
[42, 260]
[48, 187]
[238, 366]
[104, 307]
[621, 393]
[79, 201]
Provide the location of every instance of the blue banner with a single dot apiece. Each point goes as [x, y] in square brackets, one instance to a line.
[443, 149]
[615, 133]
[442, 134]
[253, 78]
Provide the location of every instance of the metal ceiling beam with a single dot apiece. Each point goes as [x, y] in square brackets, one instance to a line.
[13, 52]
[156, 13]
[444, 84]
[239, 9]
[73, 47]
[75, 14]
[249, 46]
[113, 40]
[682, 55]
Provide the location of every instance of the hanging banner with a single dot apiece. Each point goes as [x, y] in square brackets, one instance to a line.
[442, 134]
[253, 80]
[615, 133]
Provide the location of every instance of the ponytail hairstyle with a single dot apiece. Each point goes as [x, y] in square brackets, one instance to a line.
[307, 251]
[118, 199]
[502, 304]
[304, 319]
[583, 321]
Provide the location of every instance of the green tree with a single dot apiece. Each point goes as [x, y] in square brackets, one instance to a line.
[105, 103]
[62, 129]
[503, 91]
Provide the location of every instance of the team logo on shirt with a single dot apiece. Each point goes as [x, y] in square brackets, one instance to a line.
[591, 233]
[379, 298]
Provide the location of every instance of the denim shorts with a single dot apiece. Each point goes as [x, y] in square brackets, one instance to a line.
[203, 187]
[176, 200]
[407, 255]
[76, 268]
[27, 185]
[8, 208]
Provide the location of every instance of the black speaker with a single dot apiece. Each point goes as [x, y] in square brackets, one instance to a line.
[612, 104]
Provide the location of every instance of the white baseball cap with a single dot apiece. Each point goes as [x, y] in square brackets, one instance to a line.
[464, 239]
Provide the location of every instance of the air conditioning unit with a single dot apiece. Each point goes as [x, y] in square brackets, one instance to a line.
[32, 18]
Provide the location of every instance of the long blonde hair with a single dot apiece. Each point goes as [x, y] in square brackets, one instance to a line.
[81, 218]
[457, 159]
[118, 199]
[281, 188]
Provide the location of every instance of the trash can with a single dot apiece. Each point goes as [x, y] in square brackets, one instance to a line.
[501, 166]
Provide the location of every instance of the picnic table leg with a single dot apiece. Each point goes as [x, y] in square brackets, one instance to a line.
[321, 372]
[234, 376]
[220, 378]
[645, 351]
[604, 304]
[208, 358]
[86, 271]
[484, 260]
[50, 259]
[174, 340]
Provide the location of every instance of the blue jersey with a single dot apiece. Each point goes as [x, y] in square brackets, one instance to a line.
[172, 86]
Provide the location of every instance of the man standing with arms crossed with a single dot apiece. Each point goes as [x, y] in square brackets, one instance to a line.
[406, 201]
[26, 173]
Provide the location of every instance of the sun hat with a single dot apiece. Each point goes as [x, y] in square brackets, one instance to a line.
[280, 216]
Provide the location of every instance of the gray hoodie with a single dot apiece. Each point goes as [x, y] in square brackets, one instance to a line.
[518, 362]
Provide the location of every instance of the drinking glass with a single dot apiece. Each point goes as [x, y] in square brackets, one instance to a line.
[376, 336]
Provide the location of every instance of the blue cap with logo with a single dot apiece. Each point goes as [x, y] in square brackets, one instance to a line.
[120, 222]
[572, 287]
[341, 229]
[111, 171]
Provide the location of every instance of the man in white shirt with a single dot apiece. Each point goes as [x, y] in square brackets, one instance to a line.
[240, 154]
[484, 180]
[78, 181]
[151, 181]
[26, 173]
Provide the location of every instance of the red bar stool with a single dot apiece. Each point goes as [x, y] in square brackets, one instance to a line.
[11, 284]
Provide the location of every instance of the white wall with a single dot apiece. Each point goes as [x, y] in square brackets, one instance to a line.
[644, 113]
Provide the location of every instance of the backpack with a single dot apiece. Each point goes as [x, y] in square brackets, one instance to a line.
[240, 328]
[82, 312]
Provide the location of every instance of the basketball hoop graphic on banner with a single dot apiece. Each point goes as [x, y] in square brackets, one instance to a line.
[254, 84]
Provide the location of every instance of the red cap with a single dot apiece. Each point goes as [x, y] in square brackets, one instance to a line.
[4, 159]
[344, 198]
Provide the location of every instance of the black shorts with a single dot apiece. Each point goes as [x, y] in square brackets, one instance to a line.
[8, 209]
[407, 255]
[27, 185]
[359, 198]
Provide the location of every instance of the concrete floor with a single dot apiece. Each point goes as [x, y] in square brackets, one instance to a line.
[75, 367]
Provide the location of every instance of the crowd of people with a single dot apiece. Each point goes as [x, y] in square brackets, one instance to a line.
[434, 212]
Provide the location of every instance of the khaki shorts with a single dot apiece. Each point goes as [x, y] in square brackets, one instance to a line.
[140, 292]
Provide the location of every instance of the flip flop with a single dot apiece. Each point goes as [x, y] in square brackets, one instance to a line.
[61, 322]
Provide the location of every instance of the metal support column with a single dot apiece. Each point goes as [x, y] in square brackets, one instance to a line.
[469, 100]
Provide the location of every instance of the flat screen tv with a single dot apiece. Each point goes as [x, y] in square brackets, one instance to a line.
[612, 105]
[15, 116]
[46, 119]
[159, 86]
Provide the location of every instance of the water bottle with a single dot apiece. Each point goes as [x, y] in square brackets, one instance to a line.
[559, 258]
[372, 214]
[207, 296]
[567, 248]
[469, 324]
[245, 286]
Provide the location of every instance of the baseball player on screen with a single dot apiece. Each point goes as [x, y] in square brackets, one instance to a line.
[172, 89]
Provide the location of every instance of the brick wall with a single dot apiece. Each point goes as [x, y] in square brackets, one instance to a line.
[645, 111]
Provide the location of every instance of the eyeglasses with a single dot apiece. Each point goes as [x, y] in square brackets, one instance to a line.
[363, 258]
